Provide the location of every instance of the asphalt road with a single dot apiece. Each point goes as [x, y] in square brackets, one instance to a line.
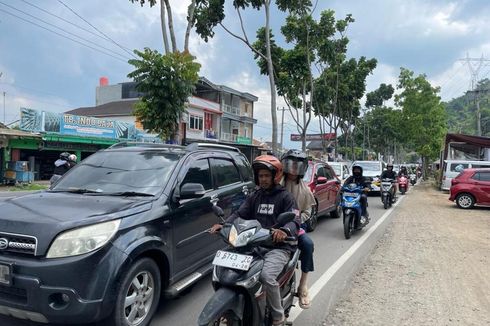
[336, 259]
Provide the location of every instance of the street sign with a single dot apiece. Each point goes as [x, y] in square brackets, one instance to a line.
[310, 137]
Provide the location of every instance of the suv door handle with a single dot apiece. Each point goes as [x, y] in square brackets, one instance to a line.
[245, 190]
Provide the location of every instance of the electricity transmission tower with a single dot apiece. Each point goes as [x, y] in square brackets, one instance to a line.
[475, 65]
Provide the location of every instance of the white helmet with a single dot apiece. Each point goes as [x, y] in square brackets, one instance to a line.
[72, 157]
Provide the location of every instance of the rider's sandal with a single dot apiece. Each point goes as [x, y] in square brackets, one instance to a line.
[304, 299]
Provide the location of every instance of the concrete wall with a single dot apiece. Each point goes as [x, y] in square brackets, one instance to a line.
[106, 94]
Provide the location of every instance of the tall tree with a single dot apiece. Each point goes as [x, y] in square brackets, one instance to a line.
[167, 22]
[166, 82]
[211, 13]
[423, 114]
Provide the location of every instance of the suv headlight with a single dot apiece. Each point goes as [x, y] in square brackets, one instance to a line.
[239, 240]
[83, 240]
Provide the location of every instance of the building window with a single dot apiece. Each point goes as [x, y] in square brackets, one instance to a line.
[195, 122]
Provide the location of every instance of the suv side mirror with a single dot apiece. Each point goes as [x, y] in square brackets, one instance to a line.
[285, 218]
[192, 190]
[321, 180]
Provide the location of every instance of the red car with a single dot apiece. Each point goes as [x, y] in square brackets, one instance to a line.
[325, 185]
[471, 187]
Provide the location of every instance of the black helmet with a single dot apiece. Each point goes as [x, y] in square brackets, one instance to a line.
[389, 165]
[357, 166]
[64, 156]
[294, 162]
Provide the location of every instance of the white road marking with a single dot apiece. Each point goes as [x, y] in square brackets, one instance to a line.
[329, 273]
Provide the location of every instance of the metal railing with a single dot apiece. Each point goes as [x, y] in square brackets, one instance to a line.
[228, 137]
[231, 109]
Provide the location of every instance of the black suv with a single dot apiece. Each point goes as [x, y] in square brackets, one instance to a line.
[126, 225]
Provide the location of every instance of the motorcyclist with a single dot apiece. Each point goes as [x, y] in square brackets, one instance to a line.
[265, 205]
[363, 182]
[295, 164]
[403, 172]
[390, 174]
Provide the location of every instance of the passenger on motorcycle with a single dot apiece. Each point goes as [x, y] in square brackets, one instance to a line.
[265, 205]
[390, 174]
[295, 164]
[363, 182]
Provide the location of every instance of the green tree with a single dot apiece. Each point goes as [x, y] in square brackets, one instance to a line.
[166, 82]
[379, 96]
[423, 114]
[210, 13]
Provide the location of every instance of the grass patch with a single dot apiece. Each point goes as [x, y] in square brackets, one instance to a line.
[25, 187]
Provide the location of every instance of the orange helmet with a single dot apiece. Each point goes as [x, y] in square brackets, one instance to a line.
[270, 163]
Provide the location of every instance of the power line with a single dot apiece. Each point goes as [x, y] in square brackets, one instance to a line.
[73, 11]
[32, 89]
[57, 27]
[65, 20]
[67, 37]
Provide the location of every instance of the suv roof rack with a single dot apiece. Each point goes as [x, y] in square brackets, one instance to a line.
[144, 144]
[197, 146]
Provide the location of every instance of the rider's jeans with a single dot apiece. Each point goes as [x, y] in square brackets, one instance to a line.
[364, 204]
[274, 262]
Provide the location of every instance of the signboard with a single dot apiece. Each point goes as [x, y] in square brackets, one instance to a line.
[243, 140]
[310, 137]
[67, 124]
[87, 126]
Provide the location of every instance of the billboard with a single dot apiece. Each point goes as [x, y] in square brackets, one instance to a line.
[310, 137]
[68, 124]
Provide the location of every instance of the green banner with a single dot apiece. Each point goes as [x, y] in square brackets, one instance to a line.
[243, 140]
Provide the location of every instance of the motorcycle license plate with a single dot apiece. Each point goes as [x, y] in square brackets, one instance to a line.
[232, 260]
[350, 194]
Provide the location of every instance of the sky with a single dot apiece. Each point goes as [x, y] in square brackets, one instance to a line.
[42, 70]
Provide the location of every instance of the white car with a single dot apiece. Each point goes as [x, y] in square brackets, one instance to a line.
[341, 169]
[372, 169]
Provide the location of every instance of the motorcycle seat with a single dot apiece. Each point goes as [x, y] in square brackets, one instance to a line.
[289, 266]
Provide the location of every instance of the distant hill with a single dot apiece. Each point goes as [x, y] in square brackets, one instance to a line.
[461, 112]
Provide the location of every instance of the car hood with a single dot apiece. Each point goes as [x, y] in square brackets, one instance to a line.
[44, 215]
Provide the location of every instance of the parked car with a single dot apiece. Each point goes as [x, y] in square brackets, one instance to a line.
[325, 186]
[452, 168]
[124, 226]
[471, 187]
[341, 170]
[372, 169]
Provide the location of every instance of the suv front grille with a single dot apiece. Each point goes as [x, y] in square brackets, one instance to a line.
[18, 243]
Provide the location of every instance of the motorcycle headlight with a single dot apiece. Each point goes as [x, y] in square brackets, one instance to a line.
[239, 240]
[83, 240]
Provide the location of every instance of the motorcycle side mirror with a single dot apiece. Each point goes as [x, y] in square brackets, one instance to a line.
[285, 218]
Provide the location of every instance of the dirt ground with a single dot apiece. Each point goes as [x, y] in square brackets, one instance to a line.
[431, 267]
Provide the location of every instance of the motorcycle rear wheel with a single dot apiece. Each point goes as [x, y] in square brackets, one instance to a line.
[403, 191]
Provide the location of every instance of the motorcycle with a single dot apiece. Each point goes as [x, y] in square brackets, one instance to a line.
[387, 192]
[352, 209]
[403, 184]
[239, 298]
[413, 179]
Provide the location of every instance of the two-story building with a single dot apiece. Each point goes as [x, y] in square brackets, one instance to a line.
[213, 113]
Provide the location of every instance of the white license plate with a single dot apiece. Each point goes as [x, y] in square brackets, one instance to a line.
[350, 194]
[232, 260]
[4, 274]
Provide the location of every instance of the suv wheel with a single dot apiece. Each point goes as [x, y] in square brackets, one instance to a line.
[465, 201]
[313, 221]
[138, 294]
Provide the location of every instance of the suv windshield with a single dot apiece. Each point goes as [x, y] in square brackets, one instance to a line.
[336, 168]
[120, 172]
[366, 166]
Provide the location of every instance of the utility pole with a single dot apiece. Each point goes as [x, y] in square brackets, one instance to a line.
[4, 121]
[474, 71]
[282, 125]
[477, 97]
